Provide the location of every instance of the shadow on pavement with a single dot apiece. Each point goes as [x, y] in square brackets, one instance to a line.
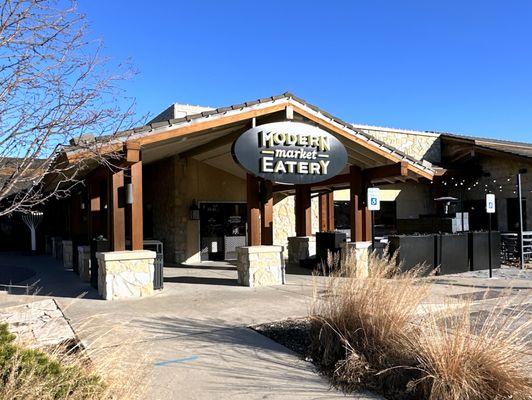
[197, 280]
[48, 276]
[234, 355]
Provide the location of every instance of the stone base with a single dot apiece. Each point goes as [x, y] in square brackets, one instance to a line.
[301, 248]
[48, 244]
[260, 266]
[356, 255]
[57, 250]
[125, 274]
[67, 253]
[84, 263]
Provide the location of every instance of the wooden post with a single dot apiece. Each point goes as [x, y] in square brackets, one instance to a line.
[267, 213]
[137, 240]
[331, 211]
[303, 211]
[253, 203]
[367, 220]
[326, 212]
[355, 187]
[94, 222]
[76, 215]
[117, 211]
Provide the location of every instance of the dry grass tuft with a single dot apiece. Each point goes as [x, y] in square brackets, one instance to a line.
[62, 372]
[475, 355]
[369, 331]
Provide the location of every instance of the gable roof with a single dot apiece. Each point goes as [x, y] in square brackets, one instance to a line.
[189, 124]
[514, 148]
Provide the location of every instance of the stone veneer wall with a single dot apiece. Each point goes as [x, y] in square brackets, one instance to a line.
[84, 263]
[125, 274]
[260, 266]
[284, 219]
[67, 253]
[419, 145]
[174, 185]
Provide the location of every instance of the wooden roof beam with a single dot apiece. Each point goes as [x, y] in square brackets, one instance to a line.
[399, 169]
[213, 144]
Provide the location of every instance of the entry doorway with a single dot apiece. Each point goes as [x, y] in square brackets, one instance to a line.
[512, 213]
[223, 228]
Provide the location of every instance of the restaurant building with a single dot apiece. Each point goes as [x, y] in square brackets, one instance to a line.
[257, 180]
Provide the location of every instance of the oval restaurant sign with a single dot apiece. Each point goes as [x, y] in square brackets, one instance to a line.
[290, 152]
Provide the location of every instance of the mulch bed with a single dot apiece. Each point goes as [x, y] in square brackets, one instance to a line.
[295, 334]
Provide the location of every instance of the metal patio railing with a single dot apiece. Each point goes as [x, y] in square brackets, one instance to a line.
[510, 246]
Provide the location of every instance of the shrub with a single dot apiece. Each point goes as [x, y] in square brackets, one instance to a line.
[370, 329]
[33, 374]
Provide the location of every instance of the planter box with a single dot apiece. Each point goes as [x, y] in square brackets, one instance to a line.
[478, 250]
[452, 253]
[414, 250]
[328, 242]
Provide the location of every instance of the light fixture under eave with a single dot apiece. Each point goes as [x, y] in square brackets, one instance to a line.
[194, 212]
[129, 193]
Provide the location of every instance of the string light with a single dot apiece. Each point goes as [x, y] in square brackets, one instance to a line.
[493, 184]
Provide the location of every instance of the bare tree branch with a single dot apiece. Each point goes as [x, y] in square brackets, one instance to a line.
[54, 86]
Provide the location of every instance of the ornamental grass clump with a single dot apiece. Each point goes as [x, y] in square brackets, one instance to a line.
[466, 354]
[373, 327]
[362, 320]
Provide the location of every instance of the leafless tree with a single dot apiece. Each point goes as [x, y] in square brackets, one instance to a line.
[54, 86]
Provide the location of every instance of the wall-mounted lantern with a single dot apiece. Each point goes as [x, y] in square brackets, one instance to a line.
[194, 212]
[129, 193]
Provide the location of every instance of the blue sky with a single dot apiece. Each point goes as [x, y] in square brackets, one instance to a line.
[456, 66]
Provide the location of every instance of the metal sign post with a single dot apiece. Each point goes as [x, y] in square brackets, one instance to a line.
[490, 209]
[374, 204]
[520, 238]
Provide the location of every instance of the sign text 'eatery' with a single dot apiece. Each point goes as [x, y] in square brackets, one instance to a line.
[290, 152]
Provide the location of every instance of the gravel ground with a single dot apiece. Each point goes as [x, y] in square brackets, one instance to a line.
[293, 334]
[506, 273]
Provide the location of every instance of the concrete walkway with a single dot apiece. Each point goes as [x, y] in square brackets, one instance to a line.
[192, 338]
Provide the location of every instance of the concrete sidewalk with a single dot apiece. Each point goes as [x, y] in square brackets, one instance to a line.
[192, 338]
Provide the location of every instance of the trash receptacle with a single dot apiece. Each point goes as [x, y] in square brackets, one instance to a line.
[158, 264]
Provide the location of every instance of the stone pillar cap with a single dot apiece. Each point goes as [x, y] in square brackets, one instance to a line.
[126, 255]
[261, 249]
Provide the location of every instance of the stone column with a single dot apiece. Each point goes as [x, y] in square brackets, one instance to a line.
[301, 248]
[260, 266]
[67, 253]
[57, 251]
[356, 254]
[84, 263]
[125, 274]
